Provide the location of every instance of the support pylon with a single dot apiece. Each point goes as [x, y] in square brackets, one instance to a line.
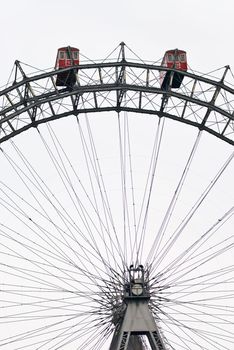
[137, 319]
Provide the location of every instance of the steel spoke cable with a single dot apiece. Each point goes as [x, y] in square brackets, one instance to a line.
[65, 170]
[165, 305]
[19, 171]
[214, 323]
[52, 241]
[194, 332]
[209, 334]
[72, 223]
[31, 333]
[28, 277]
[82, 315]
[145, 203]
[157, 148]
[193, 210]
[122, 133]
[104, 196]
[92, 339]
[95, 206]
[138, 57]
[155, 251]
[213, 254]
[113, 246]
[31, 315]
[84, 211]
[67, 301]
[174, 335]
[132, 185]
[45, 251]
[32, 336]
[85, 331]
[204, 288]
[38, 264]
[195, 280]
[46, 271]
[81, 331]
[43, 305]
[48, 252]
[220, 271]
[60, 343]
[83, 188]
[199, 280]
[198, 312]
[206, 301]
[186, 255]
[23, 271]
[106, 58]
[31, 289]
[203, 261]
[97, 343]
[81, 273]
[82, 215]
[183, 329]
[185, 341]
[35, 249]
[28, 272]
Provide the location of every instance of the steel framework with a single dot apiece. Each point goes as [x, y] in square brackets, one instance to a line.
[117, 86]
[137, 319]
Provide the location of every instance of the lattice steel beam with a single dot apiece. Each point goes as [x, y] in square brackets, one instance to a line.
[118, 86]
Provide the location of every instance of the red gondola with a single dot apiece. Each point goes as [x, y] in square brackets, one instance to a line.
[173, 59]
[67, 57]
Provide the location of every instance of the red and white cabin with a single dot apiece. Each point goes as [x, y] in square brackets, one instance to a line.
[67, 57]
[176, 59]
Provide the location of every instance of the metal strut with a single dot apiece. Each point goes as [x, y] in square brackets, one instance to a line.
[137, 320]
[120, 77]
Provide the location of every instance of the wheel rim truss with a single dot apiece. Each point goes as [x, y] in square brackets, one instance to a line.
[117, 86]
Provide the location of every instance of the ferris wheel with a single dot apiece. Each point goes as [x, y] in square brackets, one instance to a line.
[116, 228]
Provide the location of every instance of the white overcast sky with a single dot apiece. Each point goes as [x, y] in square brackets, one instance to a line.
[32, 30]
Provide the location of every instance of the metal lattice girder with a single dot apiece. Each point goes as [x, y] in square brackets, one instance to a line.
[118, 86]
[137, 320]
